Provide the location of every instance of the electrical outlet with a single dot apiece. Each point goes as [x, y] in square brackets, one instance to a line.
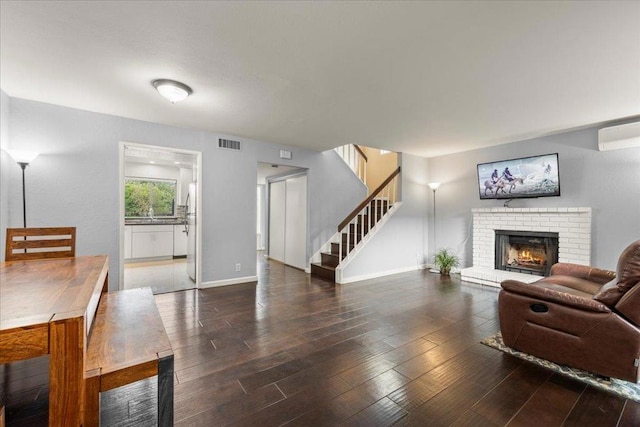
[238, 267]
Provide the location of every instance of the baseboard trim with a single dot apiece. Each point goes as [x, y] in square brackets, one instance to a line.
[352, 279]
[227, 282]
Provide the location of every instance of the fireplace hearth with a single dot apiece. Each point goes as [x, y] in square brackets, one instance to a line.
[529, 252]
[573, 225]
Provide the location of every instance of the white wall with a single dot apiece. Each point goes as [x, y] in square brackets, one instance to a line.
[608, 182]
[5, 163]
[75, 182]
[401, 244]
[262, 217]
[142, 170]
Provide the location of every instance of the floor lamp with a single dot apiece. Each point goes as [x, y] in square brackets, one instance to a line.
[434, 186]
[23, 158]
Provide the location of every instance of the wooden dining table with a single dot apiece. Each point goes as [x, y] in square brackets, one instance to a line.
[47, 307]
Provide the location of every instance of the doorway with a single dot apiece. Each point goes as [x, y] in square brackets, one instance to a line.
[159, 212]
[286, 222]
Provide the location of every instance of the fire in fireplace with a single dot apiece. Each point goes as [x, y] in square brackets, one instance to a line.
[526, 251]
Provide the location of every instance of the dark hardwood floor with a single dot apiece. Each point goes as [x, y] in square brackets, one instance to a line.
[400, 350]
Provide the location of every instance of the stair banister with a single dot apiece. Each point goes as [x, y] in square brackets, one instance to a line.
[368, 200]
[355, 158]
[361, 164]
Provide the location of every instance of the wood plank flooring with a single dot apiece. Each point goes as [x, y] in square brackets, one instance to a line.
[400, 350]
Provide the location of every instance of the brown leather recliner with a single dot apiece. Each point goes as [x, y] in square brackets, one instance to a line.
[579, 316]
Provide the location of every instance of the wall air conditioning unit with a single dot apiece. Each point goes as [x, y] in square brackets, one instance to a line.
[616, 137]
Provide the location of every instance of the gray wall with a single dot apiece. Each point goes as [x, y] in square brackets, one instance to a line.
[5, 163]
[608, 182]
[402, 242]
[75, 182]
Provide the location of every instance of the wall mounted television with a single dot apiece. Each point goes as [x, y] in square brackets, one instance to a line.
[526, 177]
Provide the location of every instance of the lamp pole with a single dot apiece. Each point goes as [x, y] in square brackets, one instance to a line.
[23, 158]
[434, 186]
[24, 165]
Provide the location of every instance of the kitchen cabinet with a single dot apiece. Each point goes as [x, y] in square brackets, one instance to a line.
[151, 241]
[127, 241]
[179, 240]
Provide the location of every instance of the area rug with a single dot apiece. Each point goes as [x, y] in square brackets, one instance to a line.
[621, 388]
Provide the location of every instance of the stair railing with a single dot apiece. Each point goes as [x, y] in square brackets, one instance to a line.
[355, 158]
[367, 214]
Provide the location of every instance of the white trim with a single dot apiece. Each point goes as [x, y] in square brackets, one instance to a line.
[121, 179]
[378, 274]
[372, 232]
[317, 257]
[227, 282]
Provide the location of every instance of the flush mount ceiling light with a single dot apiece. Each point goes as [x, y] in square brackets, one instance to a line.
[172, 90]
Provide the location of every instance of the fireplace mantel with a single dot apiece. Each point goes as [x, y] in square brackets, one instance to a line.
[573, 226]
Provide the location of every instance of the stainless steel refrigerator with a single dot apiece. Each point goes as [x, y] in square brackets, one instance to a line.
[191, 228]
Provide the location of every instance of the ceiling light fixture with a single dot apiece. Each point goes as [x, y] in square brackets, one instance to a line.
[172, 90]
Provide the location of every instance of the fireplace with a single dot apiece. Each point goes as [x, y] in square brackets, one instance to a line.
[573, 225]
[529, 252]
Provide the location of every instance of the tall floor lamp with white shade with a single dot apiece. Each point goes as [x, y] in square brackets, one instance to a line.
[434, 186]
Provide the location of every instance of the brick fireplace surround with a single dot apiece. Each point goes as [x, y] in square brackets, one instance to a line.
[573, 226]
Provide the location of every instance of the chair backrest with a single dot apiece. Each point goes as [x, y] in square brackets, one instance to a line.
[627, 276]
[40, 243]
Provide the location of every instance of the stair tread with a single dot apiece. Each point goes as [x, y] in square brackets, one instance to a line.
[326, 267]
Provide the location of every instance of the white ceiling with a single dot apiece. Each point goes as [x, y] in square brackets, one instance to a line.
[427, 78]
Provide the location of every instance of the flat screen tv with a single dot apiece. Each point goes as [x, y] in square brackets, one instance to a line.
[526, 177]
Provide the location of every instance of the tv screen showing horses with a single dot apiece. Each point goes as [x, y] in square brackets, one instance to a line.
[536, 176]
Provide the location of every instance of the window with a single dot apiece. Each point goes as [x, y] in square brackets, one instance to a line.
[147, 197]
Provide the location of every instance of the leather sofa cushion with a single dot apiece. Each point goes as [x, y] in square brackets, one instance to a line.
[629, 305]
[627, 276]
[565, 289]
[591, 274]
[569, 283]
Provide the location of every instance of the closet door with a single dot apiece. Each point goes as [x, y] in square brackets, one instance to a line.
[277, 198]
[295, 236]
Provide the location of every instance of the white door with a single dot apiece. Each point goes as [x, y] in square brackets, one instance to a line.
[277, 199]
[295, 236]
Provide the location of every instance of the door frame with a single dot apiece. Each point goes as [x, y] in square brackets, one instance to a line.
[283, 177]
[121, 180]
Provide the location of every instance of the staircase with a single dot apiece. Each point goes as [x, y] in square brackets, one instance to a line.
[356, 228]
[355, 158]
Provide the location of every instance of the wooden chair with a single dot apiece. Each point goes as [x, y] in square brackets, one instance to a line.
[40, 243]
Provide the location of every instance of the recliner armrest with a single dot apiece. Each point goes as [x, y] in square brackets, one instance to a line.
[629, 305]
[551, 295]
[583, 271]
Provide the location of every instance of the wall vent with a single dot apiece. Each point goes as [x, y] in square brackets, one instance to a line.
[228, 144]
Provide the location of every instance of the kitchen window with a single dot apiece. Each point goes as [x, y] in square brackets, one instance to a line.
[147, 197]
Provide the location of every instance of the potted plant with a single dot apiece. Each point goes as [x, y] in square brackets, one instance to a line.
[445, 261]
